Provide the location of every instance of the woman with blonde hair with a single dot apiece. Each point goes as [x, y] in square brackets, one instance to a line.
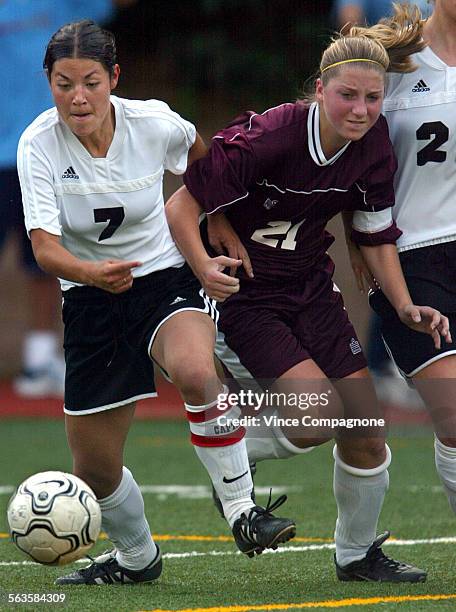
[269, 184]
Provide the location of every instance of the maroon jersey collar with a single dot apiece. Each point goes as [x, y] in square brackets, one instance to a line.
[313, 138]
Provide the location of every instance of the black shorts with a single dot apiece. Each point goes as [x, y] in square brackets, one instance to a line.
[430, 274]
[12, 218]
[108, 338]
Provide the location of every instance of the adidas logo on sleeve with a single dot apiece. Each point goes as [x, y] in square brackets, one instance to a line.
[70, 173]
[420, 86]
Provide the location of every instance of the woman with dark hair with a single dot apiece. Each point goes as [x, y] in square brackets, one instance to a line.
[91, 173]
[279, 177]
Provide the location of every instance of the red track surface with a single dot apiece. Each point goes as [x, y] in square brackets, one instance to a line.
[167, 406]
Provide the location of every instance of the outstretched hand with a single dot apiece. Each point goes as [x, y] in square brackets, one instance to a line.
[428, 321]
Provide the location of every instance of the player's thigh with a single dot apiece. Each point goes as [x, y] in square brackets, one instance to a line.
[257, 343]
[308, 403]
[436, 383]
[184, 348]
[329, 335]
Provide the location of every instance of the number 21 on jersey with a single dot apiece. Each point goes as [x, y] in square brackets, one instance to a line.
[278, 228]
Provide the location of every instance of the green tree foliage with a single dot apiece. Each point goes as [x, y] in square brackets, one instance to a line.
[248, 51]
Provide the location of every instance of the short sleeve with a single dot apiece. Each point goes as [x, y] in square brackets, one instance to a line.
[373, 200]
[225, 175]
[181, 136]
[37, 187]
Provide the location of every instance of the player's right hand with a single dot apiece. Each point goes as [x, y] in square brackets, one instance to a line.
[225, 241]
[112, 275]
[218, 285]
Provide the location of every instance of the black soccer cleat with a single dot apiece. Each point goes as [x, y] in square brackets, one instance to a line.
[377, 567]
[106, 570]
[260, 529]
[216, 498]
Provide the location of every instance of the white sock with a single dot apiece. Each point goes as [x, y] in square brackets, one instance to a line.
[220, 446]
[39, 349]
[445, 462]
[359, 495]
[227, 463]
[124, 521]
[269, 442]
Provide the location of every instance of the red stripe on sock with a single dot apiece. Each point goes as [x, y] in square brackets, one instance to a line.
[227, 440]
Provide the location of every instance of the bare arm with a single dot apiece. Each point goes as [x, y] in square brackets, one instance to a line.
[363, 277]
[183, 212]
[111, 275]
[197, 150]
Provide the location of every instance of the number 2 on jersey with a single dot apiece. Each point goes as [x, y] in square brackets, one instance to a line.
[114, 215]
[431, 153]
[278, 228]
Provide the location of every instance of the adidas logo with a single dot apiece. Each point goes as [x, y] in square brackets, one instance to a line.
[421, 86]
[177, 300]
[355, 347]
[70, 173]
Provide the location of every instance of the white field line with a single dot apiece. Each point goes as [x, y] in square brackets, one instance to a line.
[185, 491]
[287, 549]
[204, 491]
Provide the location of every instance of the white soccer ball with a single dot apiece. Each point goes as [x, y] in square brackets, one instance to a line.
[54, 518]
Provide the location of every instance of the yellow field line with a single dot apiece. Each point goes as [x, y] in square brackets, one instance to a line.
[198, 538]
[332, 603]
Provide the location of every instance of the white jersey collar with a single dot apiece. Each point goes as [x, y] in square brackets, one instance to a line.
[119, 134]
[313, 138]
[427, 56]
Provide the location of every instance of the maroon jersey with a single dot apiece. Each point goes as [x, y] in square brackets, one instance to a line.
[269, 175]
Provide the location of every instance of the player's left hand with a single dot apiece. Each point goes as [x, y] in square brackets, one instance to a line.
[428, 321]
[361, 272]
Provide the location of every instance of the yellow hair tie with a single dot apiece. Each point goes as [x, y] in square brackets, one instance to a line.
[352, 60]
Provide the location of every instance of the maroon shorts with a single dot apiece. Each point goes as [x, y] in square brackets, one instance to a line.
[269, 329]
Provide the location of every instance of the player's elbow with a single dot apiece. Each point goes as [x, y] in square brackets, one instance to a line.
[181, 207]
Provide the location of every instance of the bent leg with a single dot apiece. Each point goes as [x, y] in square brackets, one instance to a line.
[184, 347]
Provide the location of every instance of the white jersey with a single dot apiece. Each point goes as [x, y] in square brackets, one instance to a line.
[111, 207]
[420, 108]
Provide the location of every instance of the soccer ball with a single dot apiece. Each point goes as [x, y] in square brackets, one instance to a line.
[54, 518]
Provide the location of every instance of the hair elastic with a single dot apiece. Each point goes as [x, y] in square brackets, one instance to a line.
[352, 60]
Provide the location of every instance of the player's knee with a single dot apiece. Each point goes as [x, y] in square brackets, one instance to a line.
[364, 452]
[195, 380]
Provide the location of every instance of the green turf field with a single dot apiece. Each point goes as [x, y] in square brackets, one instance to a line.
[201, 568]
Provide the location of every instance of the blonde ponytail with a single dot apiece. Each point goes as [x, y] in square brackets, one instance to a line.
[385, 46]
[400, 35]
